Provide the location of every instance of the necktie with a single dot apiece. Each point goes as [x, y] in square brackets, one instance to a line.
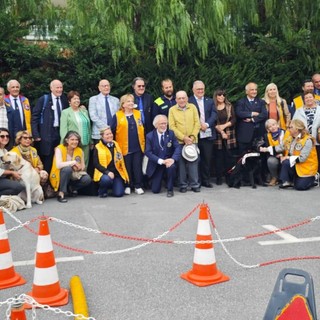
[108, 112]
[110, 145]
[162, 141]
[18, 120]
[141, 109]
[59, 111]
[201, 109]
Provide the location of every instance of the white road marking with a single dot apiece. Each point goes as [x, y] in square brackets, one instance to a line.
[286, 237]
[32, 262]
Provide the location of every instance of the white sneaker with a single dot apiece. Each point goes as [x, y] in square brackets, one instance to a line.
[138, 191]
[127, 190]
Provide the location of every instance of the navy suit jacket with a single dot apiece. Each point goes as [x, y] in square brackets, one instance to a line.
[247, 131]
[147, 101]
[210, 113]
[42, 122]
[172, 149]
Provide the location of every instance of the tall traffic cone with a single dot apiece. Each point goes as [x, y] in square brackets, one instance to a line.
[8, 276]
[17, 311]
[46, 286]
[204, 271]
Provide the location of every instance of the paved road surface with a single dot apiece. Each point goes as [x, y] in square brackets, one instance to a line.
[144, 283]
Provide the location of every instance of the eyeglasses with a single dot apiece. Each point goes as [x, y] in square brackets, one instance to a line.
[2, 136]
[290, 127]
[141, 86]
[27, 138]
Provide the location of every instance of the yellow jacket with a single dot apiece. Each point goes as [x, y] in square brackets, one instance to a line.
[122, 130]
[104, 156]
[55, 172]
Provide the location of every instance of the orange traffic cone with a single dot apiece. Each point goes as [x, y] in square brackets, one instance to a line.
[204, 271]
[8, 276]
[46, 286]
[17, 311]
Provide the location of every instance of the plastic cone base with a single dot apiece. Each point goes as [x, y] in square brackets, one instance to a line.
[60, 299]
[16, 280]
[203, 281]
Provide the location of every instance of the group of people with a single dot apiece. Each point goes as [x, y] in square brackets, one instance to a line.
[139, 142]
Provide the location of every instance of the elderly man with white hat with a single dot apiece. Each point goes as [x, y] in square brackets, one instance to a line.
[185, 123]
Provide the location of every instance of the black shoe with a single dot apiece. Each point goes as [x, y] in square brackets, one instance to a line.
[170, 194]
[195, 189]
[62, 199]
[183, 190]
[73, 194]
[207, 184]
[103, 195]
[219, 181]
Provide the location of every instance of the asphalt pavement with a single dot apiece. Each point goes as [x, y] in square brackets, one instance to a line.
[125, 277]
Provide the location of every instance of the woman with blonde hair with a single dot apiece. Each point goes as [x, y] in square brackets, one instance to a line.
[25, 150]
[277, 106]
[128, 130]
[299, 162]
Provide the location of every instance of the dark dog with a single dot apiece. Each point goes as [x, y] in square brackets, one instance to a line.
[247, 171]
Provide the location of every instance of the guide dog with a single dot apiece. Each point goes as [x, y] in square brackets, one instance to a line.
[29, 178]
[248, 167]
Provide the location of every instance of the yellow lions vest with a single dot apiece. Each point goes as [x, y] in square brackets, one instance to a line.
[310, 166]
[33, 153]
[55, 172]
[104, 156]
[122, 136]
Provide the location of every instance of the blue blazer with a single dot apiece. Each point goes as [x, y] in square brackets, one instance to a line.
[147, 101]
[246, 130]
[42, 118]
[210, 113]
[172, 149]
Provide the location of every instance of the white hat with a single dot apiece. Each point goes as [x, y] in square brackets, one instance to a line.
[190, 152]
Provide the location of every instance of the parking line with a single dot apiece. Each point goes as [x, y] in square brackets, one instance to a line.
[65, 259]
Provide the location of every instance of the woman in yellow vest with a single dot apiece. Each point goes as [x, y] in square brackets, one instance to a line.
[67, 173]
[277, 106]
[128, 131]
[110, 170]
[299, 161]
[275, 136]
[24, 149]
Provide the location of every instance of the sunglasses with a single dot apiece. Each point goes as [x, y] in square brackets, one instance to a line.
[2, 136]
[221, 94]
[27, 138]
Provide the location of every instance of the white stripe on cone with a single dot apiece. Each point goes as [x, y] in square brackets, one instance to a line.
[6, 260]
[44, 244]
[3, 232]
[204, 228]
[204, 256]
[45, 276]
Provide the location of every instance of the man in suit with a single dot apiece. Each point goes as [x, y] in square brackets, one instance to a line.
[251, 113]
[163, 151]
[207, 134]
[102, 108]
[144, 102]
[18, 110]
[45, 122]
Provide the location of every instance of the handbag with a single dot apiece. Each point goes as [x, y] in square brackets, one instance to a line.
[76, 175]
[318, 135]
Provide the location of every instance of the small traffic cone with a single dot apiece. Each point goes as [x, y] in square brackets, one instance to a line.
[204, 271]
[17, 311]
[8, 276]
[46, 286]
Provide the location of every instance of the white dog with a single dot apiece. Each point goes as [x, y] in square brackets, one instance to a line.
[29, 178]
